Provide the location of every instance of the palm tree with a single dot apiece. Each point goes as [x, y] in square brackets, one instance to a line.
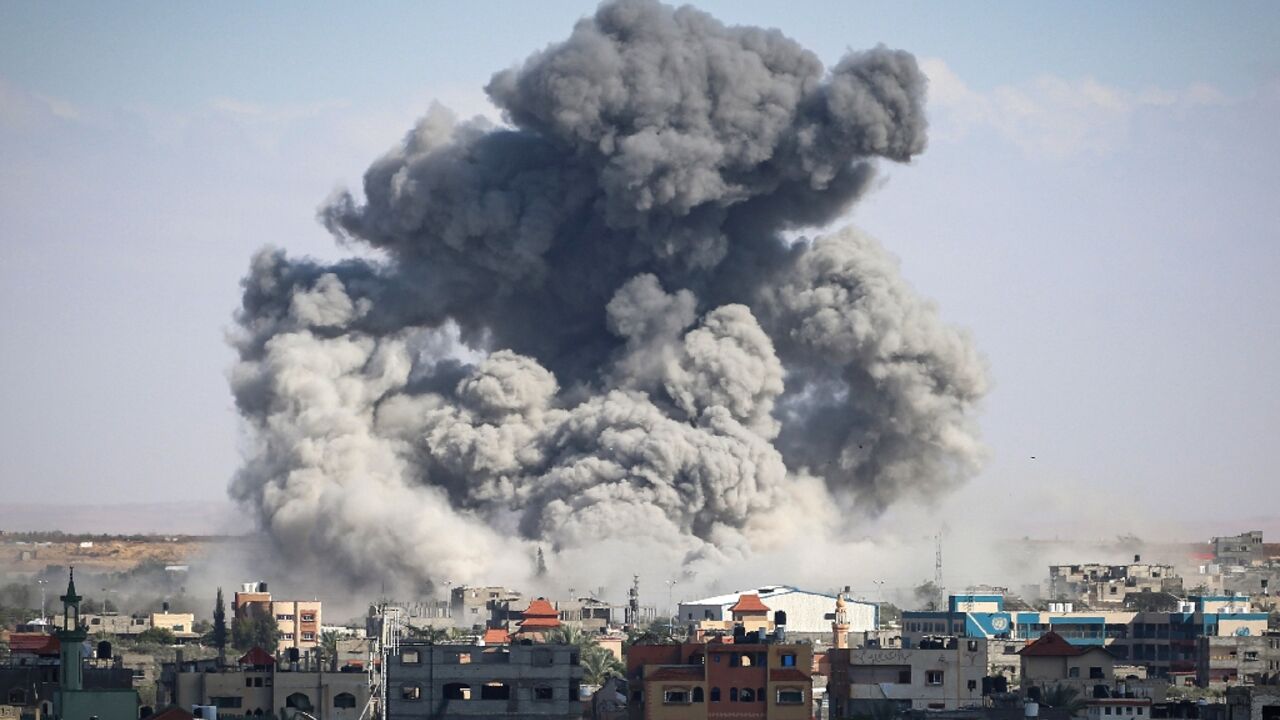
[1064, 697]
[598, 665]
[430, 634]
[329, 646]
[570, 635]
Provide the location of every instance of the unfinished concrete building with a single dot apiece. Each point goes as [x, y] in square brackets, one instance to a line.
[520, 682]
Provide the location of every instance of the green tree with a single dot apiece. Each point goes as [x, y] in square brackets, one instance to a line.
[329, 646]
[157, 636]
[257, 628]
[219, 634]
[1064, 697]
[598, 665]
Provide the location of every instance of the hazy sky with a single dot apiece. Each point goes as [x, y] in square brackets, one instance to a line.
[1098, 206]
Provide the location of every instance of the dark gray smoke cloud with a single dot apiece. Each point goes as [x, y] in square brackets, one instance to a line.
[588, 326]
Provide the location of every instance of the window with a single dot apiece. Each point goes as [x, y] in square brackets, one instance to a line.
[746, 660]
[715, 694]
[226, 702]
[180, 627]
[410, 657]
[1073, 672]
[716, 657]
[495, 691]
[759, 694]
[308, 636]
[788, 660]
[904, 677]
[1010, 649]
[456, 691]
[675, 696]
[1139, 711]
[747, 695]
[543, 692]
[1095, 673]
[344, 700]
[733, 694]
[308, 617]
[410, 691]
[1107, 711]
[284, 617]
[697, 694]
[790, 696]
[288, 636]
[933, 677]
[973, 685]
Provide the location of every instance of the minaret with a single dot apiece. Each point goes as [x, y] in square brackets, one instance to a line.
[71, 638]
[840, 626]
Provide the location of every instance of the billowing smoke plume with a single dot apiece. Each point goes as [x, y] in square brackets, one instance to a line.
[586, 329]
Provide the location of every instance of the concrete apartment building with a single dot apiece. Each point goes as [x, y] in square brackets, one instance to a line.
[299, 620]
[1244, 549]
[1162, 642]
[519, 682]
[806, 614]
[1238, 660]
[1097, 584]
[478, 608]
[718, 679]
[936, 674]
[257, 687]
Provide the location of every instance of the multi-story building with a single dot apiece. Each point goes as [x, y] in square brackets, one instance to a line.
[1051, 661]
[180, 624]
[1243, 549]
[258, 687]
[519, 682]
[1238, 660]
[1097, 584]
[804, 614]
[481, 607]
[299, 620]
[719, 679]
[1162, 642]
[968, 616]
[944, 673]
[588, 613]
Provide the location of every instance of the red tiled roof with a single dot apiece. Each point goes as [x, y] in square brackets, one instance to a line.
[749, 603]
[691, 674]
[788, 675]
[37, 643]
[496, 636]
[1051, 644]
[257, 656]
[539, 616]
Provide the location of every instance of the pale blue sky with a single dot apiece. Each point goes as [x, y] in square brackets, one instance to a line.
[1098, 205]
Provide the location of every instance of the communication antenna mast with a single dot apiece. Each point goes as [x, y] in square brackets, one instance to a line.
[937, 570]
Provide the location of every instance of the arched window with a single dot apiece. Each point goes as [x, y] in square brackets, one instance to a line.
[495, 691]
[759, 694]
[697, 694]
[344, 700]
[746, 660]
[747, 695]
[298, 701]
[715, 694]
[457, 691]
[733, 694]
